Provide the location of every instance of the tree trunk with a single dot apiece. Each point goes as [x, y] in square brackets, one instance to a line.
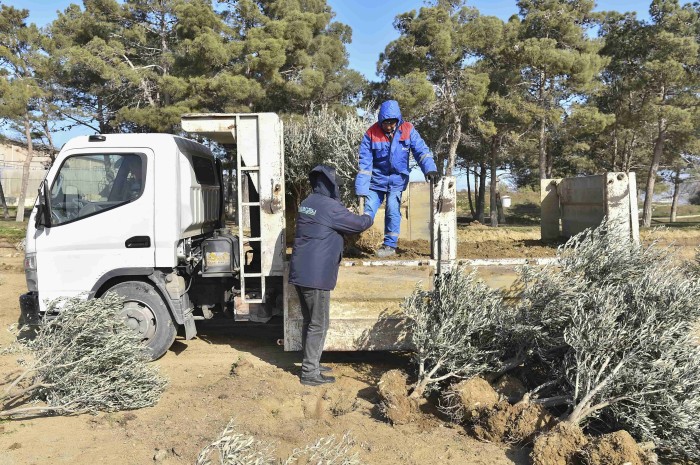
[543, 149]
[5, 211]
[454, 142]
[232, 194]
[469, 194]
[25, 169]
[653, 168]
[613, 163]
[494, 183]
[543, 131]
[676, 195]
[52, 147]
[629, 146]
[481, 201]
[501, 211]
[101, 116]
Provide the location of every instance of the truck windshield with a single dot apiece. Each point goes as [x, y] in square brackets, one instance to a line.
[88, 184]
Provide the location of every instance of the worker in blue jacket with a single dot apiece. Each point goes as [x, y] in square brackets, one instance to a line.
[322, 222]
[383, 169]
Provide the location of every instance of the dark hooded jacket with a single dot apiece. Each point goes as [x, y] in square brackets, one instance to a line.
[321, 223]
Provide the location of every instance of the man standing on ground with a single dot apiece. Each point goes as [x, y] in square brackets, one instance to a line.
[318, 248]
[384, 170]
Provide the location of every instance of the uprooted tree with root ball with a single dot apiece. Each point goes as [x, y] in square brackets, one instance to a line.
[456, 329]
[83, 360]
[609, 332]
[613, 327]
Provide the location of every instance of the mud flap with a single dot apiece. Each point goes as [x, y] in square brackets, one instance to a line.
[178, 302]
[190, 327]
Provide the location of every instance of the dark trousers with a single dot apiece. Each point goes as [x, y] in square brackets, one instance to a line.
[315, 307]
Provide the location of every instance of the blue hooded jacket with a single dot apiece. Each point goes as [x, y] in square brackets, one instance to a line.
[383, 161]
[321, 222]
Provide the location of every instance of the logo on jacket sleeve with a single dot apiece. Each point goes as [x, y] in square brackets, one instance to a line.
[307, 210]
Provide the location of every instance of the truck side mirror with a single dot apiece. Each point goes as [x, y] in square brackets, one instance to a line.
[43, 212]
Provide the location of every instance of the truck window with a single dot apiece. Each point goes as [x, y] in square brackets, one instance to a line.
[204, 170]
[89, 184]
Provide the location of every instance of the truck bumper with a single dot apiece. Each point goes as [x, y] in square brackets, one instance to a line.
[29, 308]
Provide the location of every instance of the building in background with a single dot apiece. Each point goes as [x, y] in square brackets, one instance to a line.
[12, 157]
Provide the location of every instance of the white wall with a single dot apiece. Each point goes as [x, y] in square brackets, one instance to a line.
[12, 158]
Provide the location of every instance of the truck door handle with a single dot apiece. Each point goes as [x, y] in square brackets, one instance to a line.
[138, 242]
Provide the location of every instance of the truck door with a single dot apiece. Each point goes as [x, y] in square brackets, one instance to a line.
[102, 208]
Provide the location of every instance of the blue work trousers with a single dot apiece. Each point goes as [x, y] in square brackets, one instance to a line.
[392, 214]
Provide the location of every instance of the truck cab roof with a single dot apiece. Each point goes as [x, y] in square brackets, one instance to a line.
[136, 140]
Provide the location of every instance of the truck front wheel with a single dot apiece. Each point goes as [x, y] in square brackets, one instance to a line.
[145, 312]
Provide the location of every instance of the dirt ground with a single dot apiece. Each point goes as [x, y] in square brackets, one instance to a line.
[481, 241]
[240, 372]
[264, 397]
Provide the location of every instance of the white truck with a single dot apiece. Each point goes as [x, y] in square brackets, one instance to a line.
[142, 215]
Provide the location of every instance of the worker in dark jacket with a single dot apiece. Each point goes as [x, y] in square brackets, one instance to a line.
[318, 247]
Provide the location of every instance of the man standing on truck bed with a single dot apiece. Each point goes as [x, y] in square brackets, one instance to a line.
[383, 169]
[318, 248]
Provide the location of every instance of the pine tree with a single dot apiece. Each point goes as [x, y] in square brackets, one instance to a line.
[670, 76]
[20, 56]
[426, 72]
[559, 61]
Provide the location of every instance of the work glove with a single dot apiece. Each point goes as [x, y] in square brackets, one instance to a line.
[361, 200]
[432, 177]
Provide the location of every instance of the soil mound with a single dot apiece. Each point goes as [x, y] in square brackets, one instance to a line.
[512, 423]
[528, 420]
[560, 446]
[467, 399]
[396, 405]
[493, 423]
[617, 447]
[341, 400]
[368, 241]
[510, 387]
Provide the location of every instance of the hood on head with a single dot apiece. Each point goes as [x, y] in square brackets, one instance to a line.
[389, 109]
[323, 181]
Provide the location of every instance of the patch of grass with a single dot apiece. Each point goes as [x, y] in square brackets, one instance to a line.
[691, 223]
[662, 213]
[12, 231]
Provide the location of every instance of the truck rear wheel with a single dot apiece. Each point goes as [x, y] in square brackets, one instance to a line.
[145, 312]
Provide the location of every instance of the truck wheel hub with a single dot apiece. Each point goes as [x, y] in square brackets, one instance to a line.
[140, 318]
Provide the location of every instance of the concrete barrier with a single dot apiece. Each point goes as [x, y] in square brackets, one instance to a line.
[570, 205]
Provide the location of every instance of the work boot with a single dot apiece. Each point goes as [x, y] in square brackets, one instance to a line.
[317, 380]
[386, 251]
[324, 369]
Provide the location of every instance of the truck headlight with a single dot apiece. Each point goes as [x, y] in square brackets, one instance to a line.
[30, 272]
